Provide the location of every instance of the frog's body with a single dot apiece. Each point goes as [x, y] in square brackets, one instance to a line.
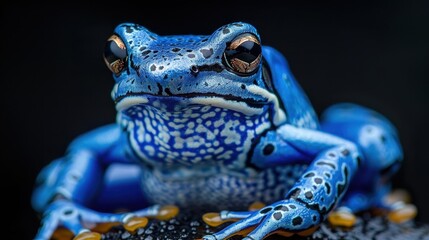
[212, 123]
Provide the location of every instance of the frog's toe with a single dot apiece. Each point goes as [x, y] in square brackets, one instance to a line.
[87, 235]
[402, 212]
[215, 219]
[167, 212]
[131, 223]
[244, 223]
[342, 217]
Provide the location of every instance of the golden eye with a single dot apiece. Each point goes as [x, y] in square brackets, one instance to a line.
[243, 54]
[115, 54]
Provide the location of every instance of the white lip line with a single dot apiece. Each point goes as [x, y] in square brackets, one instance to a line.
[130, 101]
[279, 115]
[238, 106]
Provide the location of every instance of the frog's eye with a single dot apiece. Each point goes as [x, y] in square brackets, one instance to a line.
[243, 54]
[115, 54]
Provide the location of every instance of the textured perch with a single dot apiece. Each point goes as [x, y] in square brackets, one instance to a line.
[185, 226]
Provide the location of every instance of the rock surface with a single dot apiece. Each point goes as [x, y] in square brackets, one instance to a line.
[190, 226]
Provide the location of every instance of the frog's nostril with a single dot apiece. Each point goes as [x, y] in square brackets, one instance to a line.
[194, 70]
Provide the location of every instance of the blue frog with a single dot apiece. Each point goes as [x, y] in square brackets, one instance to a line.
[218, 123]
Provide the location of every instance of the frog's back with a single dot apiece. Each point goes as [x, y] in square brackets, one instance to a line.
[293, 100]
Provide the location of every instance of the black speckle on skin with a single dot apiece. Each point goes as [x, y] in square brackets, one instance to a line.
[383, 138]
[295, 193]
[331, 154]
[213, 67]
[281, 208]
[130, 42]
[328, 188]
[189, 50]
[168, 92]
[207, 52]
[309, 195]
[342, 187]
[255, 82]
[146, 52]
[179, 89]
[142, 48]
[265, 210]
[204, 40]
[68, 212]
[243, 86]
[345, 152]
[156, 51]
[206, 84]
[175, 49]
[191, 55]
[149, 87]
[310, 174]
[297, 221]
[268, 149]
[159, 89]
[277, 216]
[314, 218]
[225, 31]
[153, 67]
[358, 160]
[165, 76]
[328, 175]
[237, 24]
[323, 163]
[318, 180]
[161, 67]
[292, 206]
[128, 29]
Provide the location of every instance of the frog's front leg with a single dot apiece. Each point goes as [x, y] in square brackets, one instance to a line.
[315, 193]
[70, 186]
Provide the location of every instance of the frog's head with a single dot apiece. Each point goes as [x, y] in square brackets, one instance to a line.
[225, 69]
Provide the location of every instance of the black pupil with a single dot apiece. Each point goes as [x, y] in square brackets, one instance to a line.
[247, 51]
[113, 52]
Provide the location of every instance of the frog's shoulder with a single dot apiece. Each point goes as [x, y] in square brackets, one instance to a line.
[298, 108]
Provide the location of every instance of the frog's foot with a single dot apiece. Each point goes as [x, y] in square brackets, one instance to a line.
[401, 212]
[67, 219]
[399, 207]
[285, 218]
[342, 217]
[215, 219]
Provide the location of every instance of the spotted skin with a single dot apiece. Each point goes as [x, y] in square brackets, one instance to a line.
[216, 123]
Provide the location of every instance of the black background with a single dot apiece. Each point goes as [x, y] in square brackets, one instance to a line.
[55, 86]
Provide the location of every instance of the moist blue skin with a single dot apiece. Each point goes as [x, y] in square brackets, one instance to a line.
[193, 131]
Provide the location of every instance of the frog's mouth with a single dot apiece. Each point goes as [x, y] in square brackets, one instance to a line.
[212, 99]
[247, 106]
